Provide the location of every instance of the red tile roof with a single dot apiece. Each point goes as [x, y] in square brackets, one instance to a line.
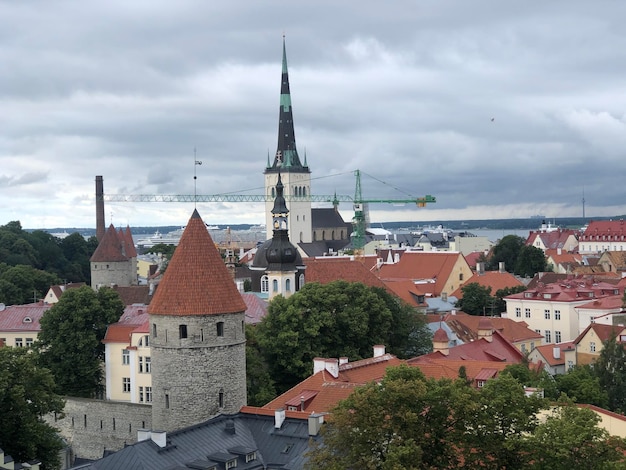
[256, 308]
[332, 268]
[466, 327]
[425, 266]
[603, 332]
[494, 279]
[599, 228]
[112, 248]
[553, 239]
[499, 349]
[15, 318]
[196, 281]
[135, 319]
[133, 294]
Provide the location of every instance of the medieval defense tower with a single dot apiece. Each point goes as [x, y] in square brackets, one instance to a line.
[296, 176]
[197, 336]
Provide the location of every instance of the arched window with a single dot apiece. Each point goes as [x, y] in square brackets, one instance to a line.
[265, 284]
[220, 328]
[332, 235]
[154, 330]
[273, 192]
[287, 285]
[304, 191]
[300, 281]
[275, 285]
[314, 236]
[323, 234]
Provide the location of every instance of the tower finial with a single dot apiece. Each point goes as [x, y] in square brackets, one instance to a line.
[196, 162]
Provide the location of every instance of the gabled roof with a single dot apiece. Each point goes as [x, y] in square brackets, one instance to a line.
[613, 302]
[499, 349]
[418, 265]
[256, 307]
[57, 290]
[466, 327]
[16, 318]
[473, 257]
[333, 268]
[552, 239]
[196, 281]
[330, 390]
[112, 248]
[328, 217]
[133, 294]
[603, 332]
[495, 279]
[134, 320]
[408, 292]
[563, 258]
[547, 352]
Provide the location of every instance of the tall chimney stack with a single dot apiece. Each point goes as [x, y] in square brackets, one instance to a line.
[99, 208]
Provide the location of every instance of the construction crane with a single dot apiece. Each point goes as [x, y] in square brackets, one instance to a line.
[360, 219]
[359, 204]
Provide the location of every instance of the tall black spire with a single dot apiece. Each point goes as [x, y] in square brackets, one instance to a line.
[286, 156]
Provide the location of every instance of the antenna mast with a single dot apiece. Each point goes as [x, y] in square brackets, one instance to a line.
[196, 162]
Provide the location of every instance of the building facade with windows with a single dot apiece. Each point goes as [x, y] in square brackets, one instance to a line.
[551, 310]
[603, 235]
[19, 324]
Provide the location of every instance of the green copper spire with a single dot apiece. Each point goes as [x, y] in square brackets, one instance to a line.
[286, 157]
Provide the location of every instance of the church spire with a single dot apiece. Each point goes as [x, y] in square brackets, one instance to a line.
[286, 153]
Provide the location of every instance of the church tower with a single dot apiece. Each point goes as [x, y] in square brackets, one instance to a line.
[197, 336]
[296, 175]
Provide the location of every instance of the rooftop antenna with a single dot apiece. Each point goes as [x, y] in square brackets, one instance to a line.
[196, 162]
[583, 203]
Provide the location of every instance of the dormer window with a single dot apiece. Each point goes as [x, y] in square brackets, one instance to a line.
[250, 457]
[27, 320]
[231, 464]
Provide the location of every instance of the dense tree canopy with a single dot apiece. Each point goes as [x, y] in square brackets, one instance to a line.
[71, 335]
[500, 303]
[506, 251]
[582, 385]
[41, 259]
[409, 422]
[27, 393]
[610, 368]
[530, 261]
[476, 299]
[334, 320]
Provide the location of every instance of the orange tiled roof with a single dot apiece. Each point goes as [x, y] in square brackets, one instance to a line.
[329, 269]
[112, 247]
[547, 352]
[407, 291]
[196, 281]
[420, 265]
[494, 279]
[466, 327]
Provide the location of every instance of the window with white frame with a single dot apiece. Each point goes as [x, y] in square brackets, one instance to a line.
[592, 346]
[546, 314]
[548, 336]
[125, 357]
[148, 394]
[480, 383]
[557, 314]
[29, 342]
[557, 336]
[231, 464]
[148, 365]
[126, 384]
[570, 365]
[250, 457]
[527, 312]
[19, 342]
[287, 285]
[140, 365]
[140, 394]
[265, 284]
[518, 312]
[275, 285]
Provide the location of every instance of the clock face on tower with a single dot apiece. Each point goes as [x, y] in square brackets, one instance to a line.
[276, 224]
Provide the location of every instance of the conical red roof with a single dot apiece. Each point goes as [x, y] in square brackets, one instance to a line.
[196, 281]
[111, 248]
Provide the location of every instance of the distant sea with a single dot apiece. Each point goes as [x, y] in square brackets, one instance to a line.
[495, 235]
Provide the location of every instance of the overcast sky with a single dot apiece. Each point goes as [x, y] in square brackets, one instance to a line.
[498, 109]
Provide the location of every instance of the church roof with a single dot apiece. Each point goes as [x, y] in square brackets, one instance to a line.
[286, 158]
[113, 247]
[196, 281]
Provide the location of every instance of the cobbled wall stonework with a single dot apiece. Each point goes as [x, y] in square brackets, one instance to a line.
[189, 375]
[93, 426]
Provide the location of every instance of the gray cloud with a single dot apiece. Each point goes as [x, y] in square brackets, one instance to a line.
[497, 109]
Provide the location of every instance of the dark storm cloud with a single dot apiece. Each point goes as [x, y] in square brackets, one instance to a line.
[498, 109]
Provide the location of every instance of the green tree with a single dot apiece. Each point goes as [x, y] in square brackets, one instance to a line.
[530, 376]
[504, 417]
[29, 284]
[26, 395]
[476, 299]
[530, 261]
[502, 293]
[570, 438]
[610, 368]
[71, 335]
[582, 385]
[405, 422]
[331, 320]
[506, 251]
[260, 386]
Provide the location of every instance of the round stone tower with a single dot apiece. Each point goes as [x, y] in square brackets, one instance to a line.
[197, 336]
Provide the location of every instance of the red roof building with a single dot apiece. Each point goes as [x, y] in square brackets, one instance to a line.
[603, 235]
